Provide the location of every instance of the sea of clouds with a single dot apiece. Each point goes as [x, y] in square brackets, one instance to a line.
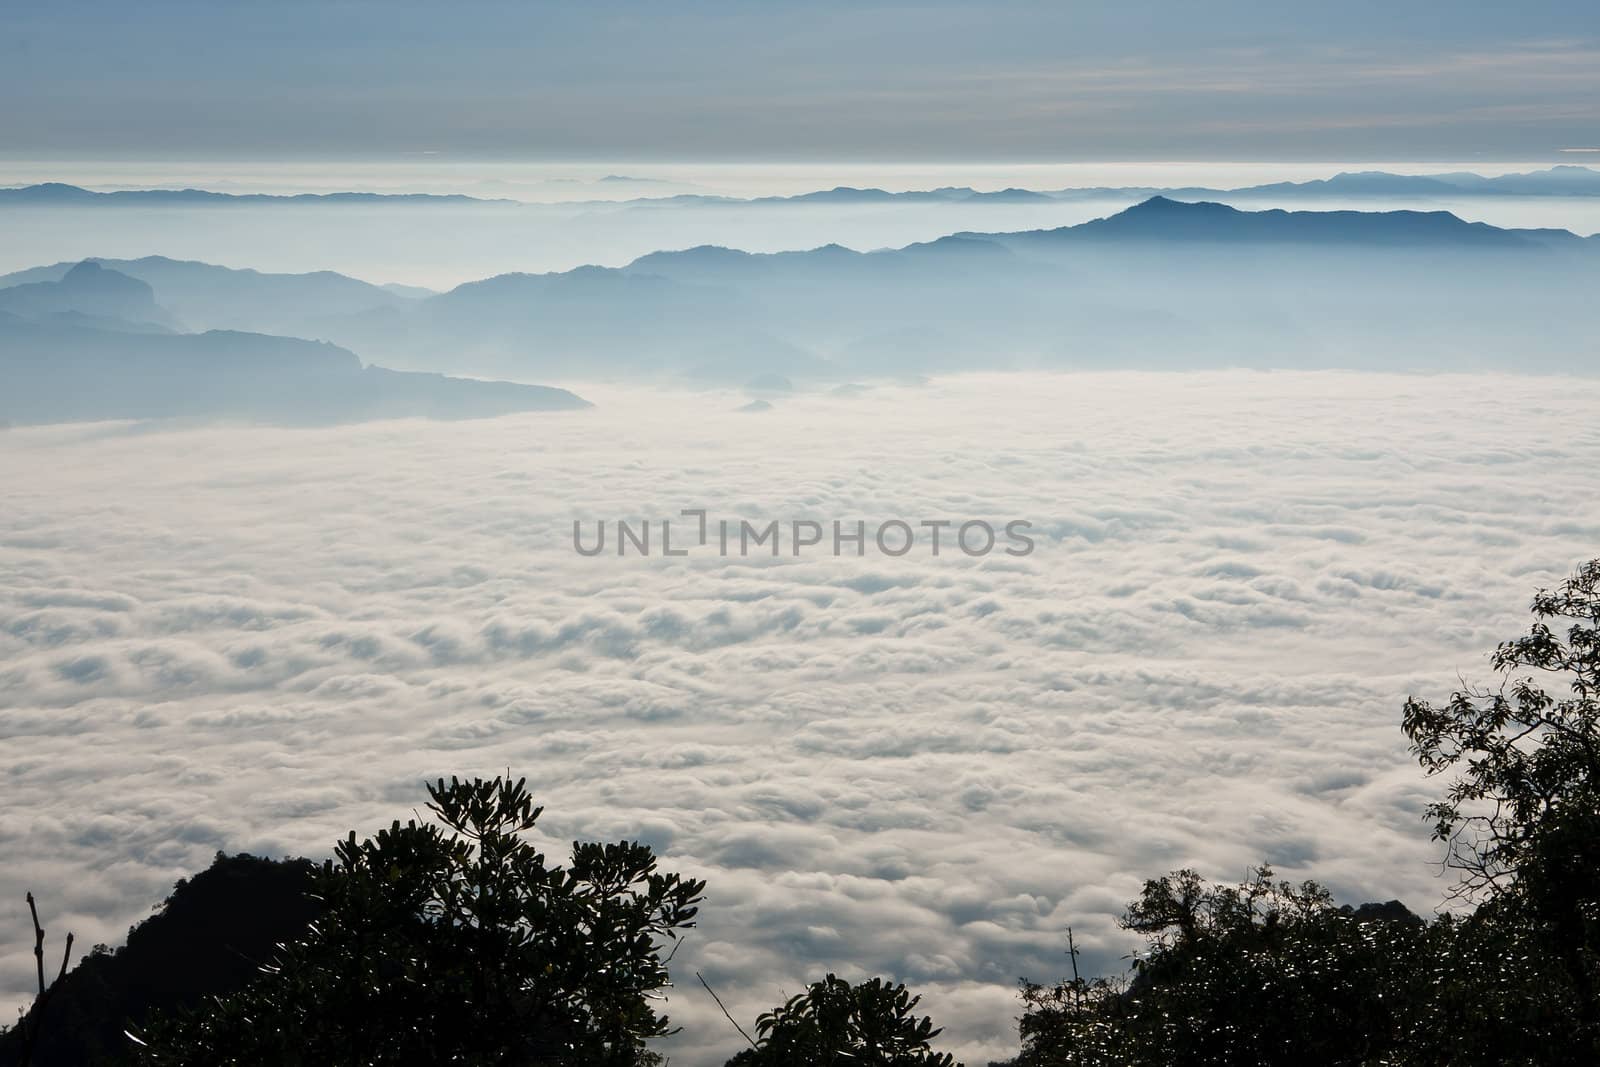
[258, 638]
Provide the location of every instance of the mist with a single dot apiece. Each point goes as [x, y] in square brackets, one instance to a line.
[445, 246]
[283, 543]
[259, 638]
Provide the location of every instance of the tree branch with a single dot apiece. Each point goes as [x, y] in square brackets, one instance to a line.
[724, 1008]
[35, 1016]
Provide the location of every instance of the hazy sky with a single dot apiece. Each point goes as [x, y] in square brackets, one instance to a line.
[823, 79]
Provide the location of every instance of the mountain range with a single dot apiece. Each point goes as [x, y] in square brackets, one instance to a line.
[204, 296]
[1163, 284]
[60, 193]
[1161, 218]
[94, 344]
[1566, 180]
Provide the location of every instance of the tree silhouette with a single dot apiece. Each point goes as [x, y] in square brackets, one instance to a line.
[455, 941]
[1521, 819]
[1265, 972]
[836, 1024]
[209, 937]
[1268, 973]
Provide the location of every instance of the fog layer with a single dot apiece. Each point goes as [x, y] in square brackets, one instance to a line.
[921, 767]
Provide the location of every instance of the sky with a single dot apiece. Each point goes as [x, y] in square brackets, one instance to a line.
[921, 767]
[823, 80]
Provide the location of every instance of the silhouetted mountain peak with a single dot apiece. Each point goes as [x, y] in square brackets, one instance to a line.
[90, 275]
[1161, 218]
[48, 192]
[90, 289]
[1165, 205]
[83, 269]
[698, 256]
[1162, 209]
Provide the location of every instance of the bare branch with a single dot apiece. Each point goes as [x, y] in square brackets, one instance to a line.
[32, 1020]
[724, 1008]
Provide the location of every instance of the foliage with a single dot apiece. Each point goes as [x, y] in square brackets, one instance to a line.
[1521, 819]
[459, 943]
[1489, 994]
[1529, 762]
[210, 936]
[835, 1024]
[1265, 972]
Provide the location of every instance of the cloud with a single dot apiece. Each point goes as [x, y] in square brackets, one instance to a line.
[250, 638]
[835, 81]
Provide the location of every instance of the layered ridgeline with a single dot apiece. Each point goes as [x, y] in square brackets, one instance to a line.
[1559, 181]
[89, 342]
[1164, 284]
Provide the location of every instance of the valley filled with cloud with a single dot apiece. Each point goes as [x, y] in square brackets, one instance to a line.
[236, 637]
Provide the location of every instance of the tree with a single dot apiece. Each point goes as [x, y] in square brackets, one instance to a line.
[1268, 973]
[1521, 819]
[836, 1024]
[1263, 973]
[209, 937]
[456, 942]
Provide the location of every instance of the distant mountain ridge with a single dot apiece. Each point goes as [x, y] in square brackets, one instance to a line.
[1158, 219]
[1161, 218]
[68, 354]
[89, 290]
[47, 193]
[1562, 180]
[206, 296]
[1164, 283]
